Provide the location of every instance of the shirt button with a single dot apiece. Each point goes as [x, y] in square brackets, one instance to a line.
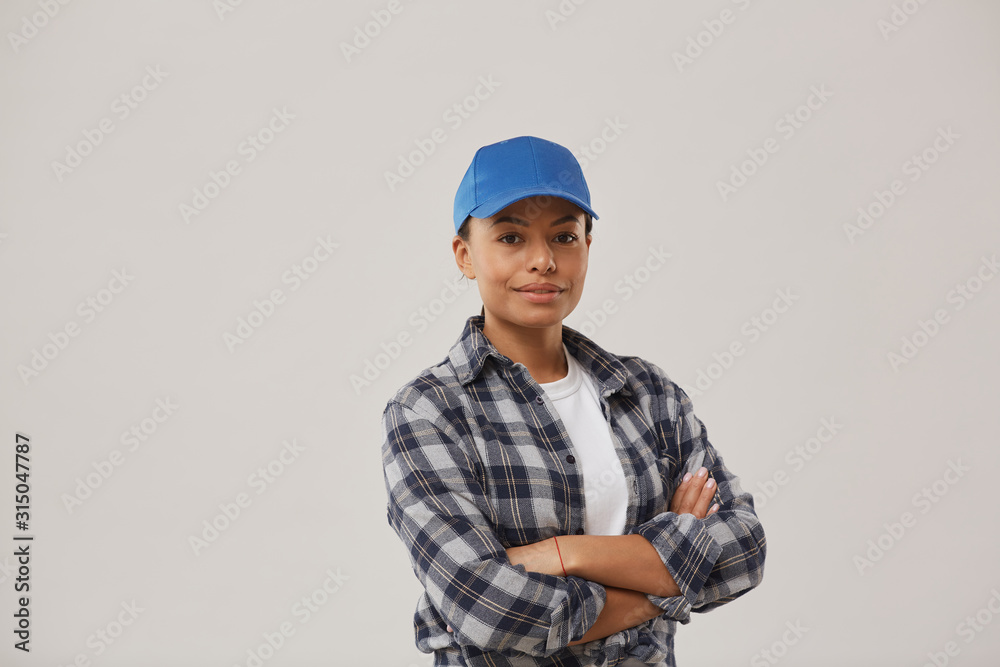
[579, 531]
[539, 400]
[570, 459]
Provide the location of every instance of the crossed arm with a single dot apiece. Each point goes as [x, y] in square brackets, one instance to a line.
[628, 566]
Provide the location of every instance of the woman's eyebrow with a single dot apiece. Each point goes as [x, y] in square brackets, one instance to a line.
[524, 223]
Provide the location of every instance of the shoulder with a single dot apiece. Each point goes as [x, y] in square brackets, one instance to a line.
[432, 393]
[652, 387]
[442, 386]
[427, 424]
[636, 372]
[651, 376]
[642, 369]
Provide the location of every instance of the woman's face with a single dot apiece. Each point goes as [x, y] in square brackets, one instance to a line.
[536, 243]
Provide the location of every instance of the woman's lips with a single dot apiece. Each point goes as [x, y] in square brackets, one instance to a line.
[539, 296]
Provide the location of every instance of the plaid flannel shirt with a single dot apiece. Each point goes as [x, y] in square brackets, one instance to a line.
[476, 460]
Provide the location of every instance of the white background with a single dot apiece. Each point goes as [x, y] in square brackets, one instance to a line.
[683, 128]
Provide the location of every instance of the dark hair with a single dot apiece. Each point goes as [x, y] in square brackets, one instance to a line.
[463, 233]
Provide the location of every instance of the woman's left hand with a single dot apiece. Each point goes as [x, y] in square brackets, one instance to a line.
[540, 557]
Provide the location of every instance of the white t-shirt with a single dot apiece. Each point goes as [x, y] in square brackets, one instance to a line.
[578, 403]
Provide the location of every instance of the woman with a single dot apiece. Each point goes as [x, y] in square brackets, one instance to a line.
[561, 505]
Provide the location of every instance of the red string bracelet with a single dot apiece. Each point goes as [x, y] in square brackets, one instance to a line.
[560, 556]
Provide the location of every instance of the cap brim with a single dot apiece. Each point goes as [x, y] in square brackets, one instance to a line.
[496, 204]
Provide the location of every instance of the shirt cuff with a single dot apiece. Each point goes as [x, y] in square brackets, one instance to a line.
[689, 552]
[584, 603]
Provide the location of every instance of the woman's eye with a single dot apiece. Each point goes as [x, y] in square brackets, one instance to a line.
[565, 237]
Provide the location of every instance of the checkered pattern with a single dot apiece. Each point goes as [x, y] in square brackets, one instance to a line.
[476, 459]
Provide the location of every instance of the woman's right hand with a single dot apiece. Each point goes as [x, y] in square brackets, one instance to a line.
[694, 495]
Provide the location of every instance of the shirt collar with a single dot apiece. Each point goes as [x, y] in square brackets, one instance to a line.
[469, 354]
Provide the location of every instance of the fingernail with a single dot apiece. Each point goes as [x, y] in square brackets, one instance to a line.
[710, 483]
[702, 471]
[714, 508]
[686, 477]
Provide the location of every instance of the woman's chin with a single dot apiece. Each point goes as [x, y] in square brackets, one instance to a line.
[538, 316]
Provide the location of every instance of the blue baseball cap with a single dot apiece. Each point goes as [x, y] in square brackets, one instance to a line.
[514, 169]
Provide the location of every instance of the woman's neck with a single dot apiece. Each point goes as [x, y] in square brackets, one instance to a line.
[539, 349]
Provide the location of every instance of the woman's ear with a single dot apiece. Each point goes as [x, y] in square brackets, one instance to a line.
[463, 257]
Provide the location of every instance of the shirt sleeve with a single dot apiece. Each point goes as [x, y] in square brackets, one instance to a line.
[716, 559]
[438, 507]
